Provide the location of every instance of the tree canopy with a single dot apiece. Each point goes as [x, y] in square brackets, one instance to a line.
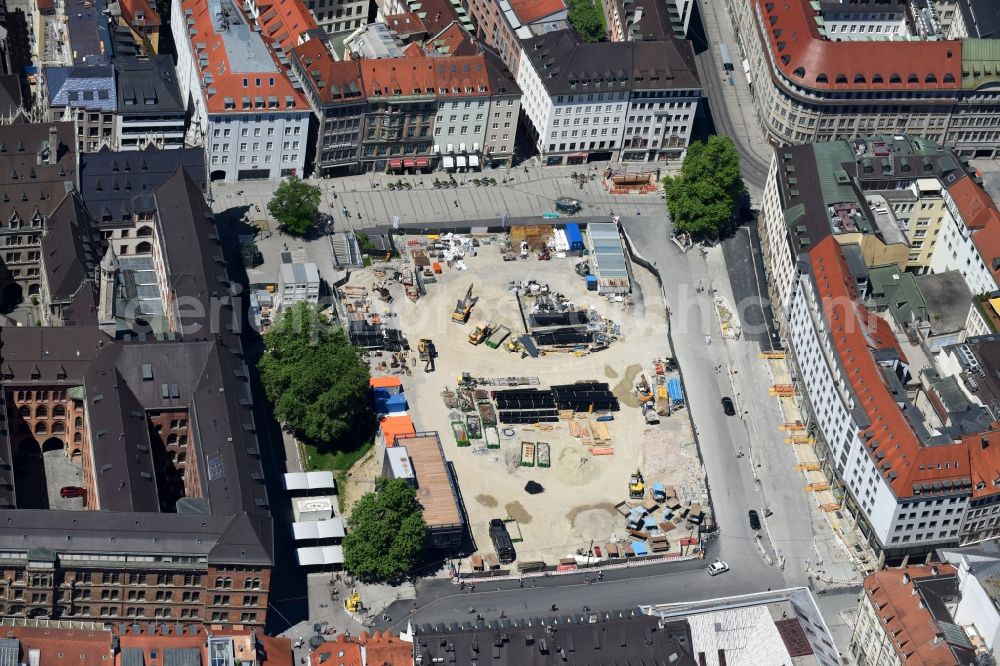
[295, 205]
[701, 200]
[387, 533]
[315, 378]
[587, 20]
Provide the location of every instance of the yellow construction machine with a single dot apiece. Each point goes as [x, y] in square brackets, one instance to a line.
[636, 486]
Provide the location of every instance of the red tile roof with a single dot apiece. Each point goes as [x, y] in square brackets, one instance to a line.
[132, 8]
[406, 24]
[807, 58]
[276, 651]
[64, 647]
[437, 14]
[285, 22]
[229, 84]
[905, 617]
[529, 11]
[341, 651]
[458, 76]
[901, 457]
[452, 41]
[980, 214]
[331, 80]
[381, 649]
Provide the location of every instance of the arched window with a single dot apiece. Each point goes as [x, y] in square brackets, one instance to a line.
[218, 583]
[145, 247]
[229, 583]
[41, 412]
[40, 428]
[24, 410]
[144, 232]
[77, 437]
[58, 428]
[58, 411]
[172, 438]
[78, 422]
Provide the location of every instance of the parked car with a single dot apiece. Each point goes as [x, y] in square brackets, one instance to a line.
[754, 520]
[728, 407]
[72, 491]
[717, 567]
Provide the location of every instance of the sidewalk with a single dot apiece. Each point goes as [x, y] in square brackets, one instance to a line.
[370, 202]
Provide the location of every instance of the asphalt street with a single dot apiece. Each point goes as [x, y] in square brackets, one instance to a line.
[745, 264]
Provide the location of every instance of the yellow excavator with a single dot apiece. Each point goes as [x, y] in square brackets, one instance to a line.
[353, 603]
[464, 307]
[636, 486]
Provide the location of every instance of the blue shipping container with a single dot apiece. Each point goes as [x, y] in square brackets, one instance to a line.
[574, 237]
[591, 282]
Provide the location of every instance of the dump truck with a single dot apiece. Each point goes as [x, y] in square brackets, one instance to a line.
[497, 337]
[502, 541]
[463, 307]
[636, 485]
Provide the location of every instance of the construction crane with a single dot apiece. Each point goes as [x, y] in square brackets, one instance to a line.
[427, 352]
[636, 486]
[464, 307]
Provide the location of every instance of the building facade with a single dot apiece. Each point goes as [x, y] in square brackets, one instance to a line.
[824, 86]
[415, 113]
[253, 122]
[641, 109]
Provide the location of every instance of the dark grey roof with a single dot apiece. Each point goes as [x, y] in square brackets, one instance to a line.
[566, 65]
[117, 184]
[948, 299]
[982, 17]
[11, 99]
[133, 657]
[181, 657]
[26, 186]
[654, 19]
[203, 373]
[68, 253]
[501, 80]
[604, 639]
[89, 37]
[90, 87]
[148, 86]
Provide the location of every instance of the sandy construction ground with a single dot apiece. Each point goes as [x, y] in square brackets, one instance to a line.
[577, 505]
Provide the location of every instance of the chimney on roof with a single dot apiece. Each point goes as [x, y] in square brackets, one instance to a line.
[906, 579]
[985, 441]
[934, 571]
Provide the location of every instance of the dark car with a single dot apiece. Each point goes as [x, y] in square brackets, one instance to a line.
[754, 520]
[72, 491]
[728, 407]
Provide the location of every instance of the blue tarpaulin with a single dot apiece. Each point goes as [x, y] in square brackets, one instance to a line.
[640, 548]
[574, 237]
[675, 391]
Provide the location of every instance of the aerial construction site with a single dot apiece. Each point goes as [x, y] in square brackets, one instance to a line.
[539, 358]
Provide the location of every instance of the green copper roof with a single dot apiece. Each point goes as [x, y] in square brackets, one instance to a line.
[980, 63]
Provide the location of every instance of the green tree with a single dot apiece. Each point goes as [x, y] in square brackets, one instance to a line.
[315, 378]
[295, 205]
[387, 533]
[702, 199]
[587, 20]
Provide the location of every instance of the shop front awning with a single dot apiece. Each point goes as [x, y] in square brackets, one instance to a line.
[473, 160]
[395, 164]
[460, 160]
[422, 162]
[408, 163]
[578, 154]
[448, 162]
